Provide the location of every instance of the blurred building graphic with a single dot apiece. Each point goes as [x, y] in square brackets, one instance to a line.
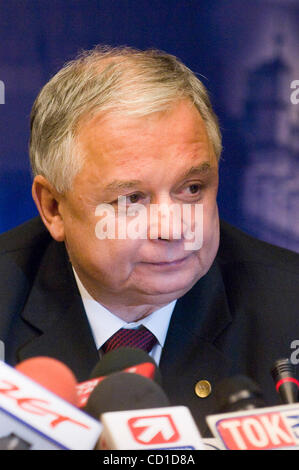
[270, 189]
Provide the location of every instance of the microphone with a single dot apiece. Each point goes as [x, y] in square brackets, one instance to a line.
[123, 358]
[238, 393]
[136, 414]
[51, 374]
[35, 418]
[244, 422]
[123, 391]
[131, 360]
[286, 384]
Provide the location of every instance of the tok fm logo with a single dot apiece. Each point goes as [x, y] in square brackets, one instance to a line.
[157, 429]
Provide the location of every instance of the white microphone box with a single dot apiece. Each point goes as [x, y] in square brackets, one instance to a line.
[266, 428]
[169, 428]
[38, 419]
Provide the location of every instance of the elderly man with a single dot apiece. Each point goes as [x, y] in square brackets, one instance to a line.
[120, 129]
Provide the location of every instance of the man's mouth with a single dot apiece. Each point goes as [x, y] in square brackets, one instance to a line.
[173, 263]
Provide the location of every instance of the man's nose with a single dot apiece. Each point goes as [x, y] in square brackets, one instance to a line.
[165, 220]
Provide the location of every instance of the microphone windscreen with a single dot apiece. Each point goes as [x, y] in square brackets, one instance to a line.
[122, 358]
[122, 391]
[238, 393]
[51, 374]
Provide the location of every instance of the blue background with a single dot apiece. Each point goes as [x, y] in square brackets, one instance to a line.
[246, 53]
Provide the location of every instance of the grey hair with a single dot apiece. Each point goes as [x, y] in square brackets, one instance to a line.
[119, 80]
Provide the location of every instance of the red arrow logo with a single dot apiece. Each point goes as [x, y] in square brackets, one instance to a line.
[157, 429]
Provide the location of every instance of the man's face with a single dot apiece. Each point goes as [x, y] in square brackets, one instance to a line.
[163, 158]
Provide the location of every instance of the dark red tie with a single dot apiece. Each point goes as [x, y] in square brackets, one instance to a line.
[140, 338]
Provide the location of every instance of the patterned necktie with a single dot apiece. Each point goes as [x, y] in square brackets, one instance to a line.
[140, 338]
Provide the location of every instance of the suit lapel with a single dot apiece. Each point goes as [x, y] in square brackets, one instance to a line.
[55, 310]
[190, 353]
[200, 315]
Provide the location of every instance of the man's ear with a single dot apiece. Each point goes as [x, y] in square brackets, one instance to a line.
[47, 201]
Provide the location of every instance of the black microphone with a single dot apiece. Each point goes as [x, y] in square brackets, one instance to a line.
[123, 358]
[129, 360]
[238, 393]
[286, 383]
[136, 414]
[121, 391]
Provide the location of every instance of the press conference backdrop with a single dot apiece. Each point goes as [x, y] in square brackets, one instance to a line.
[246, 53]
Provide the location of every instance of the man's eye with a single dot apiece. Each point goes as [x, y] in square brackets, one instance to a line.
[194, 188]
[133, 198]
[191, 192]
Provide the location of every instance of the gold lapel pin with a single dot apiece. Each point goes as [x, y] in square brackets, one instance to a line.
[203, 388]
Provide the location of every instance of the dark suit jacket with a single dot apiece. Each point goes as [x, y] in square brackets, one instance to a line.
[239, 318]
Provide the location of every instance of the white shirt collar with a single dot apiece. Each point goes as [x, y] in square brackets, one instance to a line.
[104, 324]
